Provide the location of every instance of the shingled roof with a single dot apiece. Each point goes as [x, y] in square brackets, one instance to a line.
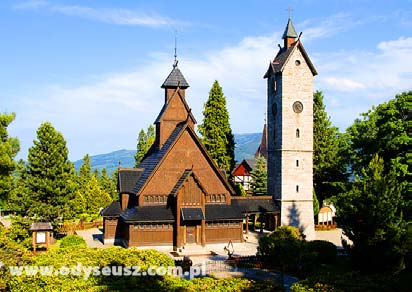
[255, 205]
[223, 212]
[283, 56]
[148, 214]
[113, 210]
[153, 159]
[128, 178]
[175, 79]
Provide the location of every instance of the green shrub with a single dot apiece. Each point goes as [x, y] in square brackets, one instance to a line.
[72, 240]
[324, 251]
[240, 190]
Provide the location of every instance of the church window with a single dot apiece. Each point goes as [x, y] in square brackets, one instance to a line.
[297, 133]
[297, 188]
[297, 163]
[297, 62]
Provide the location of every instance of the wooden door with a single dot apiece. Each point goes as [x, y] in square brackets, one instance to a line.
[190, 234]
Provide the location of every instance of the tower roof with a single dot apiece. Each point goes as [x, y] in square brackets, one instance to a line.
[289, 30]
[175, 79]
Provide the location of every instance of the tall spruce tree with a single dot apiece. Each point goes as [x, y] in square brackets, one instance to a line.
[85, 171]
[329, 161]
[49, 177]
[9, 147]
[145, 140]
[215, 129]
[259, 177]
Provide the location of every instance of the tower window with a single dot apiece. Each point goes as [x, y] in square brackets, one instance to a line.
[297, 188]
[297, 133]
[297, 62]
[297, 163]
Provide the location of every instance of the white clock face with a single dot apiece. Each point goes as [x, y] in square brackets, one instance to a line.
[297, 107]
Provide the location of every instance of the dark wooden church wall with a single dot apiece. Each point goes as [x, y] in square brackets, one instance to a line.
[151, 234]
[224, 231]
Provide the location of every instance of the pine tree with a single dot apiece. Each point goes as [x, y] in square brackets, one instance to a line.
[108, 184]
[215, 129]
[92, 198]
[329, 162]
[85, 171]
[49, 176]
[259, 177]
[145, 140]
[9, 147]
[372, 218]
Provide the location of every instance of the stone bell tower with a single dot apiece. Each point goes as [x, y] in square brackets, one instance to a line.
[290, 132]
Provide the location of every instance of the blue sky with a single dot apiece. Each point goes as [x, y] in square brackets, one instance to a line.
[94, 68]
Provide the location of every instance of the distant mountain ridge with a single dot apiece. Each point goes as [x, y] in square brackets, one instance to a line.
[246, 146]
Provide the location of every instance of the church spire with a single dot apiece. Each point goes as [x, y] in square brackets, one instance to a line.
[174, 80]
[289, 35]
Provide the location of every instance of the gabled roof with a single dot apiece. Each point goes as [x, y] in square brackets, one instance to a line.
[113, 210]
[283, 57]
[249, 164]
[263, 147]
[41, 226]
[163, 110]
[128, 178]
[181, 181]
[175, 79]
[156, 213]
[154, 159]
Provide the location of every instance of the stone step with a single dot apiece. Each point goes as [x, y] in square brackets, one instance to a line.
[193, 250]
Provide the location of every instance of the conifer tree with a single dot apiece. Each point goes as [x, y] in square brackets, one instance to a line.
[92, 198]
[85, 171]
[108, 184]
[215, 129]
[372, 218]
[9, 147]
[329, 161]
[49, 176]
[259, 177]
[145, 140]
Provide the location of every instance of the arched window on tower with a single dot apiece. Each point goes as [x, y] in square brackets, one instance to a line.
[297, 133]
[297, 188]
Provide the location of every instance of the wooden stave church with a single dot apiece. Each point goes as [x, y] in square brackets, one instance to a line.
[178, 195]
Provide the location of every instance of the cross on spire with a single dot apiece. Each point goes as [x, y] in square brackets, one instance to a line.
[290, 10]
[175, 63]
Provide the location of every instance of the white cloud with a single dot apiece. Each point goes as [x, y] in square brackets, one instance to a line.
[344, 84]
[360, 79]
[114, 16]
[107, 114]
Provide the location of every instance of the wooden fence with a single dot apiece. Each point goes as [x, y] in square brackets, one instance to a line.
[69, 228]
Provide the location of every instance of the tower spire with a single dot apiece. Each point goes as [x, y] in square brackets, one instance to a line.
[176, 61]
[290, 34]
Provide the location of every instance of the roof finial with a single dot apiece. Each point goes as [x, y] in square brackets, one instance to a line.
[176, 61]
[290, 10]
